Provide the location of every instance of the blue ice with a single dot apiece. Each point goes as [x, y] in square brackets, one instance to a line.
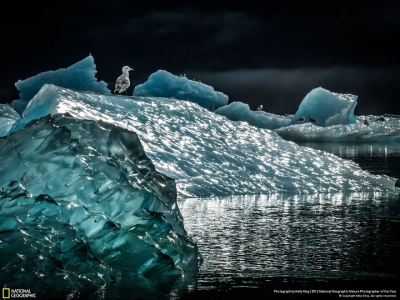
[79, 76]
[238, 111]
[167, 85]
[80, 198]
[8, 116]
[326, 108]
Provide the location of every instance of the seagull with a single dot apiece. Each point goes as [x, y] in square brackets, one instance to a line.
[122, 82]
[312, 120]
[260, 108]
[300, 119]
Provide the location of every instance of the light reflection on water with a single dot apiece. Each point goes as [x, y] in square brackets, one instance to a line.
[248, 241]
[323, 236]
[375, 158]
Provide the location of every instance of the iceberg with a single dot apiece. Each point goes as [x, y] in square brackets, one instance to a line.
[206, 153]
[377, 131]
[167, 85]
[79, 76]
[81, 204]
[287, 127]
[326, 108]
[89, 181]
[8, 116]
[238, 111]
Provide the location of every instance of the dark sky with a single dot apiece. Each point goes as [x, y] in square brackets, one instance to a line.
[271, 54]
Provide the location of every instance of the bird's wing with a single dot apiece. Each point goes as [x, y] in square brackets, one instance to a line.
[121, 80]
[122, 83]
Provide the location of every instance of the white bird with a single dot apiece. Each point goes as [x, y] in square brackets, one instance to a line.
[260, 107]
[122, 82]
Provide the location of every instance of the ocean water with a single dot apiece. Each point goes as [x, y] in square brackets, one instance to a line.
[287, 246]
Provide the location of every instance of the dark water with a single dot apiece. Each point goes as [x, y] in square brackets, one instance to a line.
[287, 246]
[375, 158]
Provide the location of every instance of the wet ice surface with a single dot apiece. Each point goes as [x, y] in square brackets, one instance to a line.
[207, 154]
[8, 116]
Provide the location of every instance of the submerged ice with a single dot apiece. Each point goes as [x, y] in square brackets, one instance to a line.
[80, 198]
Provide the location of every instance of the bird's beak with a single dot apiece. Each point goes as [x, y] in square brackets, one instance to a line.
[130, 69]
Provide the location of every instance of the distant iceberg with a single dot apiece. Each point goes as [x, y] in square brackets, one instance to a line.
[387, 131]
[326, 108]
[336, 122]
[238, 111]
[79, 76]
[167, 85]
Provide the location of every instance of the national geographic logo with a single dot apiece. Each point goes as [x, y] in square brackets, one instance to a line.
[8, 293]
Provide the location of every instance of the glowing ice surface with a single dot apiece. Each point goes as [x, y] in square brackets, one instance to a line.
[238, 111]
[8, 116]
[326, 108]
[79, 76]
[165, 84]
[208, 154]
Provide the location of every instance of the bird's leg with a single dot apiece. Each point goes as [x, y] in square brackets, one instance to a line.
[126, 93]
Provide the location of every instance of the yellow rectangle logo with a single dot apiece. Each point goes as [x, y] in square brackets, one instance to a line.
[6, 293]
